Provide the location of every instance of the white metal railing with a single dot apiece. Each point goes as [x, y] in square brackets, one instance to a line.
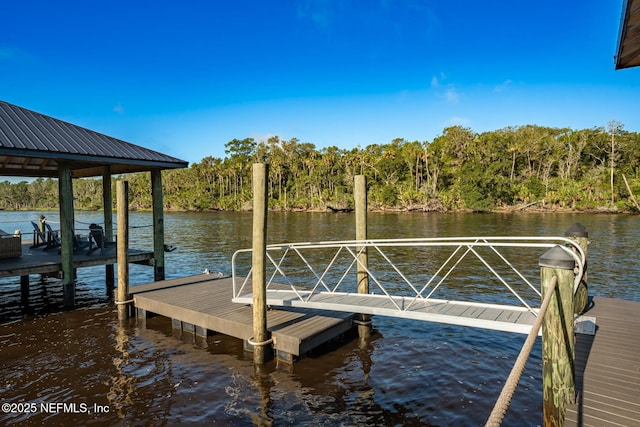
[307, 276]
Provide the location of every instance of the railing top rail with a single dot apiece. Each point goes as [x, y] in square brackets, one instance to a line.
[496, 241]
[435, 239]
[474, 241]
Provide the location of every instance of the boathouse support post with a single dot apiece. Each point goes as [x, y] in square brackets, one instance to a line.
[558, 374]
[360, 197]
[107, 204]
[261, 338]
[579, 233]
[122, 200]
[65, 198]
[158, 224]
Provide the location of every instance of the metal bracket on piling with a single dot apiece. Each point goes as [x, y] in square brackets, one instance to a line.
[362, 322]
[259, 344]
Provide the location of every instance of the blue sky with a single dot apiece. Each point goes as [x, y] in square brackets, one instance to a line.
[184, 78]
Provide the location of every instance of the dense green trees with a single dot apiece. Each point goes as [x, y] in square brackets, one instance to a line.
[460, 169]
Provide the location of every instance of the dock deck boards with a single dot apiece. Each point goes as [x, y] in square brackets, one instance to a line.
[489, 316]
[608, 367]
[205, 301]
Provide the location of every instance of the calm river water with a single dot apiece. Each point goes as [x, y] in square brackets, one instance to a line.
[82, 368]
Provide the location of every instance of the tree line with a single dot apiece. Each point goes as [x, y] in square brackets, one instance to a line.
[515, 167]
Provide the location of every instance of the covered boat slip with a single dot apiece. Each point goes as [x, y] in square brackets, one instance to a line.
[36, 145]
[202, 303]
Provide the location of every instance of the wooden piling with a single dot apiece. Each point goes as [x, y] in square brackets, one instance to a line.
[558, 378]
[122, 200]
[65, 197]
[107, 204]
[261, 338]
[360, 196]
[579, 233]
[158, 224]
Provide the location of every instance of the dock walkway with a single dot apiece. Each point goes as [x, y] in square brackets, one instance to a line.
[489, 316]
[607, 367]
[39, 261]
[204, 302]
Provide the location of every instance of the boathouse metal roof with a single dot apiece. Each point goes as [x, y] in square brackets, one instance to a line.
[34, 145]
[628, 53]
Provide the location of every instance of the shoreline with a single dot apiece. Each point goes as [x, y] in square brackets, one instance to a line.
[410, 210]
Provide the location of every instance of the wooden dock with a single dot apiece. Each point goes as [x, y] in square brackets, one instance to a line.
[39, 261]
[49, 262]
[607, 364]
[202, 303]
[607, 367]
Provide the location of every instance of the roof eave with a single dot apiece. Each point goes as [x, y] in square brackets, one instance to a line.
[628, 49]
[36, 163]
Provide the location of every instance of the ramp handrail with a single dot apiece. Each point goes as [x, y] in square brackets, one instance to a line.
[352, 249]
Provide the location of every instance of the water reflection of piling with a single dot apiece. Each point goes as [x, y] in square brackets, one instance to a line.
[264, 382]
[122, 385]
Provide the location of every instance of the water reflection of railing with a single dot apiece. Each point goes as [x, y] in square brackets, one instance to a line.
[303, 267]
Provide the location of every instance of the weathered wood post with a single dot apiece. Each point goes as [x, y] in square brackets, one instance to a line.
[158, 224]
[107, 204]
[122, 200]
[558, 381]
[260, 339]
[579, 233]
[360, 196]
[65, 197]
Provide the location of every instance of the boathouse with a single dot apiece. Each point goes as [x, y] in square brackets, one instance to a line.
[38, 146]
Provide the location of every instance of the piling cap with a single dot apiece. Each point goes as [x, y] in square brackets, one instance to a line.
[576, 230]
[557, 257]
